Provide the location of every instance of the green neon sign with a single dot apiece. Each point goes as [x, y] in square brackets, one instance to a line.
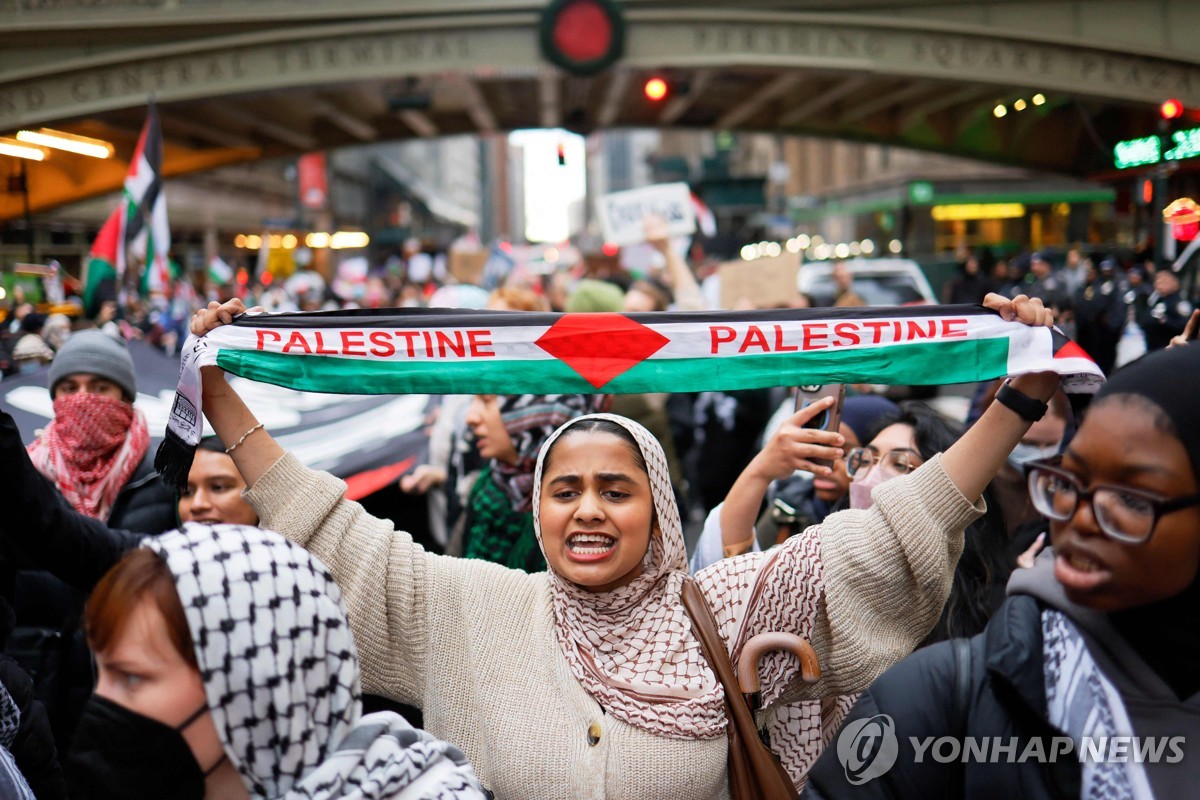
[1187, 145]
[1149, 149]
[1137, 152]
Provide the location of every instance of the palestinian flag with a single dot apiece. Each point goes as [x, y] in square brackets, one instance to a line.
[145, 230]
[219, 272]
[100, 271]
[436, 351]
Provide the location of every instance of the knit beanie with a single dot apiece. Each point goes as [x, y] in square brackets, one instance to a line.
[95, 353]
[594, 295]
[1171, 380]
[862, 414]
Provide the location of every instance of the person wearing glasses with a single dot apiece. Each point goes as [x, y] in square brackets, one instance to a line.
[898, 444]
[902, 444]
[1097, 644]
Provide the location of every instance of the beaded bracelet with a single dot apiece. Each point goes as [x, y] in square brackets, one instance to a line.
[234, 446]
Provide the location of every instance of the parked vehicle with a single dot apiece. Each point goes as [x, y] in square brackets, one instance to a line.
[879, 281]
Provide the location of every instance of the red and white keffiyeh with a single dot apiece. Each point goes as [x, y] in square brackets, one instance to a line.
[91, 449]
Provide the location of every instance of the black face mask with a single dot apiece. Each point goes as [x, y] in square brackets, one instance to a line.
[118, 753]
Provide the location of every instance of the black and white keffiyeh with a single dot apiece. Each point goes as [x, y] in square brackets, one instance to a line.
[12, 782]
[281, 676]
[1085, 705]
[529, 420]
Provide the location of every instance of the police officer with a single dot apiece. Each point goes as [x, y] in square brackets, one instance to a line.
[1043, 283]
[1100, 314]
[1166, 311]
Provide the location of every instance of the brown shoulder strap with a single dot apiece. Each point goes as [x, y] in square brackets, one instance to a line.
[704, 624]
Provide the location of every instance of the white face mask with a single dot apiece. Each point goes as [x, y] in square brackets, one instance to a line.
[860, 491]
[1024, 453]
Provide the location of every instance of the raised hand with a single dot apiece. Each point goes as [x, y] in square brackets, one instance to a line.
[795, 447]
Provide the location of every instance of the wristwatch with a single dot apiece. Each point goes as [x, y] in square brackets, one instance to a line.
[1026, 407]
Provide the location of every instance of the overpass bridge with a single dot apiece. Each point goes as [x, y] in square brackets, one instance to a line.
[240, 80]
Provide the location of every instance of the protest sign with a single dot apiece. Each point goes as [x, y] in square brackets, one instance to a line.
[765, 282]
[623, 214]
[467, 265]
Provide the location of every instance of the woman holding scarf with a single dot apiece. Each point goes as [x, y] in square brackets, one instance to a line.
[587, 681]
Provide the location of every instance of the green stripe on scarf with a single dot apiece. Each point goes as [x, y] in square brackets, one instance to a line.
[957, 361]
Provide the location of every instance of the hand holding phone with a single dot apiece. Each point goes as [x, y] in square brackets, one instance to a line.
[828, 420]
[797, 446]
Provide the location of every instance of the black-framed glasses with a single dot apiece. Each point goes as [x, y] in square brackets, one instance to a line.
[1126, 515]
[894, 462]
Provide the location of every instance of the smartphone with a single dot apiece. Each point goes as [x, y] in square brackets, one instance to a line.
[828, 420]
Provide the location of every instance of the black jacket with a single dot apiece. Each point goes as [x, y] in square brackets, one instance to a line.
[1163, 317]
[33, 749]
[1005, 697]
[39, 534]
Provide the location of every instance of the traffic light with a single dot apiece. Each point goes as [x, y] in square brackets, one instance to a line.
[656, 89]
[1171, 109]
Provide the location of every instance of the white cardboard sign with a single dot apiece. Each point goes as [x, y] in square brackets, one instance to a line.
[623, 214]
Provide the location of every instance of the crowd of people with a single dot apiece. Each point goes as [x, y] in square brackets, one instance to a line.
[286, 643]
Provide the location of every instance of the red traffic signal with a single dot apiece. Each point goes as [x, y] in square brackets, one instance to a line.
[656, 89]
[1171, 109]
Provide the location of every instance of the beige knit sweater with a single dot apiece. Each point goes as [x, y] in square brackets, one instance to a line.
[473, 644]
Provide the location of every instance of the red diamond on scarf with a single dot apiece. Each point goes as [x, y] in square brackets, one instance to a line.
[600, 346]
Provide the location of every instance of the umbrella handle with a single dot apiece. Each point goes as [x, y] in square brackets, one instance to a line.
[758, 646]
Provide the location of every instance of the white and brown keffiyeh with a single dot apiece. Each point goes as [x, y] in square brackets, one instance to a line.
[280, 672]
[633, 648]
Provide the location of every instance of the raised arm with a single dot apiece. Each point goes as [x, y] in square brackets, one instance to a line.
[866, 586]
[679, 276]
[41, 530]
[792, 447]
[978, 455]
[377, 568]
[392, 588]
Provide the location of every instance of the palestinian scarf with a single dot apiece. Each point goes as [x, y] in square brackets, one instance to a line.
[495, 532]
[632, 648]
[465, 351]
[13, 785]
[280, 673]
[1084, 704]
[529, 420]
[90, 450]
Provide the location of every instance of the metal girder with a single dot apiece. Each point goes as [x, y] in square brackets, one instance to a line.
[477, 107]
[948, 99]
[348, 122]
[887, 99]
[262, 124]
[549, 84]
[825, 99]
[774, 89]
[419, 122]
[208, 133]
[677, 106]
[618, 84]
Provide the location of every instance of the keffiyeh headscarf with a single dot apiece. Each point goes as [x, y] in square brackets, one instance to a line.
[280, 673]
[632, 648]
[530, 419]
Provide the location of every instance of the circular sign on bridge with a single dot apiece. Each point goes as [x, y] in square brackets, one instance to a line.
[582, 36]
